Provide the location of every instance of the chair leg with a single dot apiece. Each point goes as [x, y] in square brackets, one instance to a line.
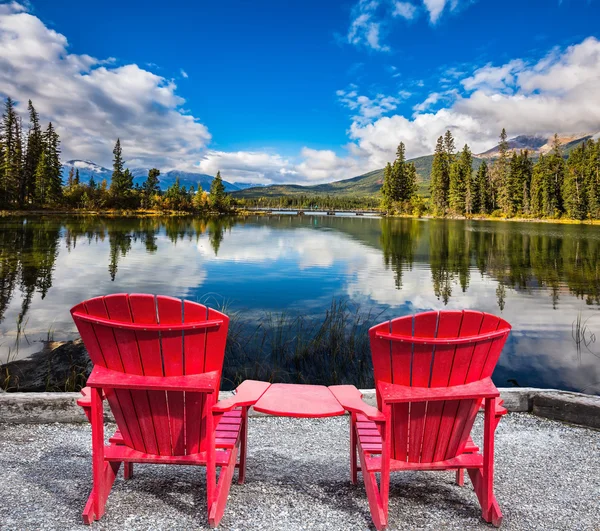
[225, 476]
[353, 457]
[103, 472]
[460, 477]
[483, 480]
[378, 514]
[243, 446]
[128, 470]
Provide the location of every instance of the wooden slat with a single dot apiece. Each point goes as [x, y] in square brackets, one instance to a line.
[194, 354]
[350, 399]
[401, 359]
[120, 402]
[170, 312]
[448, 327]
[205, 382]
[117, 307]
[143, 310]
[405, 393]
[470, 326]
[425, 325]
[123, 453]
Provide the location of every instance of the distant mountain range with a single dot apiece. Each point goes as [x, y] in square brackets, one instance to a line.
[370, 183]
[366, 184]
[87, 169]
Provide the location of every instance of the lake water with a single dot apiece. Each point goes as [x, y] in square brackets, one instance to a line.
[282, 276]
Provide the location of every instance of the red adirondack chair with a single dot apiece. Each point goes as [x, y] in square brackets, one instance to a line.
[432, 373]
[158, 361]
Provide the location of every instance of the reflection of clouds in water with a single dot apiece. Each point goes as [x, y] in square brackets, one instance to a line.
[83, 273]
[308, 247]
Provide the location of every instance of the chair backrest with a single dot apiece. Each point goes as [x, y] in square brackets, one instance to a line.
[435, 349]
[155, 422]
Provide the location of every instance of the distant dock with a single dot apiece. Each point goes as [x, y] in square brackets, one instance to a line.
[316, 212]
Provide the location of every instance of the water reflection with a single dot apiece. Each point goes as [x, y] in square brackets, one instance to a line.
[541, 277]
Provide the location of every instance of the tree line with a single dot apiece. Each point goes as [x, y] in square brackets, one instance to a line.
[31, 176]
[511, 185]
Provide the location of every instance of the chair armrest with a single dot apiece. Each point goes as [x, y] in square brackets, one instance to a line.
[246, 394]
[350, 398]
[207, 382]
[85, 400]
[394, 393]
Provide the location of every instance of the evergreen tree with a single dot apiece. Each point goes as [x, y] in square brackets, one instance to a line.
[460, 178]
[553, 180]
[387, 188]
[481, 191]
[42, 173]
[122, 180]
[71, 177]
[76, 180]
[150, 187]
[11, 162]
[500, 192]
[217, 194]
[92, 183]
[518, 184]
[538, 184]
[440, 174]
[593, 178]
[51, 143]
[33, 153]
[574, 188]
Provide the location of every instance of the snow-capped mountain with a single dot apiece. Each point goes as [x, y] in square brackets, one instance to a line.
[87, 169]
[538, 144]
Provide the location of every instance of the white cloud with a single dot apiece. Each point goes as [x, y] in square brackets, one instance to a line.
[405, 10]
[555, 94]
[432, 99]
[437, 7]
[92, 101]
[184, 74]
[364, 29]
[368, 108]
[371, 19]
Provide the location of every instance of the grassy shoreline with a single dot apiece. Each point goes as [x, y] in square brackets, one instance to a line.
[244, 212]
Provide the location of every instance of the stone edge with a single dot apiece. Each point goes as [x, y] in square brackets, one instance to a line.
[565, 406]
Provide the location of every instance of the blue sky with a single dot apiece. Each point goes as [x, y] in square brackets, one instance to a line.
[301, 92]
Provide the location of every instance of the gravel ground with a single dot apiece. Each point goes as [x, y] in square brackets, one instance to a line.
[547, 477]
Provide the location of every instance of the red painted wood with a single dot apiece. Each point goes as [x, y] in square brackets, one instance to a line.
[170, 311]
[448, 358]
[426, 340]
[462, 461]
[246, 394]
[206, 382]
[121, 402]
[301, 401]
[117, 307]
[448, 327]
[194, 356]
[425, 325]
[143, 310]
[350, 398]
[403, 393]
[401, 360]
[158, 362]
[118, 324]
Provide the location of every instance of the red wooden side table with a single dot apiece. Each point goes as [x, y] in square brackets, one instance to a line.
[299, 400]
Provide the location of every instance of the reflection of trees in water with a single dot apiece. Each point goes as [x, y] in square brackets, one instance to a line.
[516, 258]
[399, 239]
[28, 251]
